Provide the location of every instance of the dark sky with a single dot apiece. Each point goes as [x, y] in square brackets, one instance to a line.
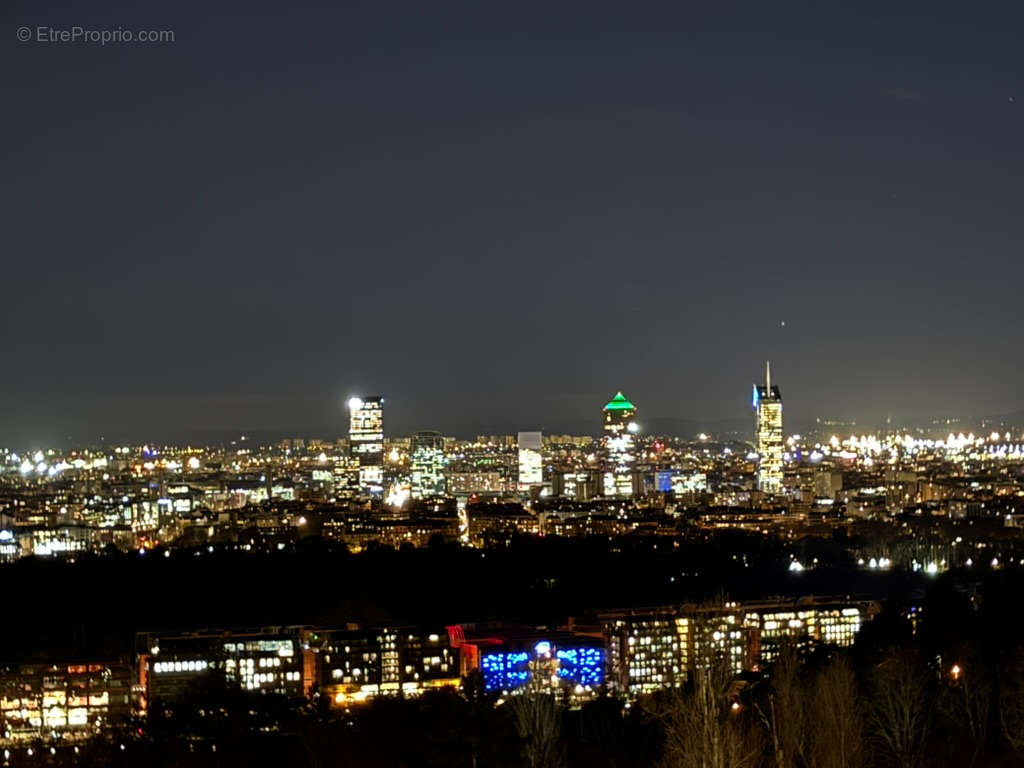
[497, 214]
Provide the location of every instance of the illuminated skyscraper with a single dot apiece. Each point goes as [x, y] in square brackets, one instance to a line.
[531, 471]
[768, 434]
[366, 441]
[617, 446]
[426, 452]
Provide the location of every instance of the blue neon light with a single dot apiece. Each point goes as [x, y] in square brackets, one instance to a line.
[581, 666]
[505, 671]
[756, 393]
[510, 670]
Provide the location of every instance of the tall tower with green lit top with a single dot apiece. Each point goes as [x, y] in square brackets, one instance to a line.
[617, 446]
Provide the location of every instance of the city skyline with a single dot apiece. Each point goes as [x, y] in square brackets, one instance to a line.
[376, 385]
[401, 422]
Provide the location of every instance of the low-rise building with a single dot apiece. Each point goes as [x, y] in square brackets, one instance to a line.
[74, 700]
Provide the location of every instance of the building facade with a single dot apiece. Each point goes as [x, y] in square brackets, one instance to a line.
[366, 441]
[658, 648]
[361, 664]
[70, 701]
[617, 447]
[768, 434]
[269, 660]
[513, 660]
[427, 462]
[531, 466]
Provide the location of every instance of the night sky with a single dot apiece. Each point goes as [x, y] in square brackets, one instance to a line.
[498, 214]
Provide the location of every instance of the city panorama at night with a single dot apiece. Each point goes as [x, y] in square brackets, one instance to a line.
[512, 386]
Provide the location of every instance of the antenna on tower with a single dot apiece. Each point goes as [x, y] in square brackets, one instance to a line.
[768, 377]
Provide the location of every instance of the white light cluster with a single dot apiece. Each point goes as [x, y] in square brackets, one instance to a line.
[870, 447]
[162, 667]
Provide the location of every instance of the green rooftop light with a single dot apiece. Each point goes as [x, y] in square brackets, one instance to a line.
[620, 403]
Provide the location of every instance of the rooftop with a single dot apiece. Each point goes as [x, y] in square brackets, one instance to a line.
[619, 403]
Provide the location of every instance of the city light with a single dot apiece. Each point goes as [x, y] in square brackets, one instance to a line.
[402, 385]
[932, 503]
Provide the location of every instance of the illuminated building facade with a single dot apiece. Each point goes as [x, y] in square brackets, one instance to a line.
[768, 434]
[511, 661]
[655, 650]
[269, 661]
[10, 550]
[574, 667]
[658, 648]
[617, 447]
[496, 523]
[804, 625]
[427, 462]
[487, 482]
[358, 665]
[70, 700]
[531, 471]
[581, 486]
[366, 441]
[647, 652]
[690, 482]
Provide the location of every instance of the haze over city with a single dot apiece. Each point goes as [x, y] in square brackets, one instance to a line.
[497, 216]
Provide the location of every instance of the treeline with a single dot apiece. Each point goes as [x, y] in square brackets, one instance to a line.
[899, 710]
[950, 693]
[92, 608]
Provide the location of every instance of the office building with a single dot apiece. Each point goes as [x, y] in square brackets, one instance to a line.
[366, 441]
[269, 660]
[657, 648]
[514, 660]
[768, 434]
[427, 462]
[361, 664]
[69, 701]
[531, 470]
[617, 447]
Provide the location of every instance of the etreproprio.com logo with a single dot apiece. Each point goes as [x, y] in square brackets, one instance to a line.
[76, 34]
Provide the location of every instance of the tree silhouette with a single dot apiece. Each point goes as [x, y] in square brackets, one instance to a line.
[900, 712]
[704, 726]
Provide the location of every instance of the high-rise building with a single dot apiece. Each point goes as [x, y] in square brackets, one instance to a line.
[617, 446]
[366, 441]
[768, 434]
[531, 471]
[427, 460]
